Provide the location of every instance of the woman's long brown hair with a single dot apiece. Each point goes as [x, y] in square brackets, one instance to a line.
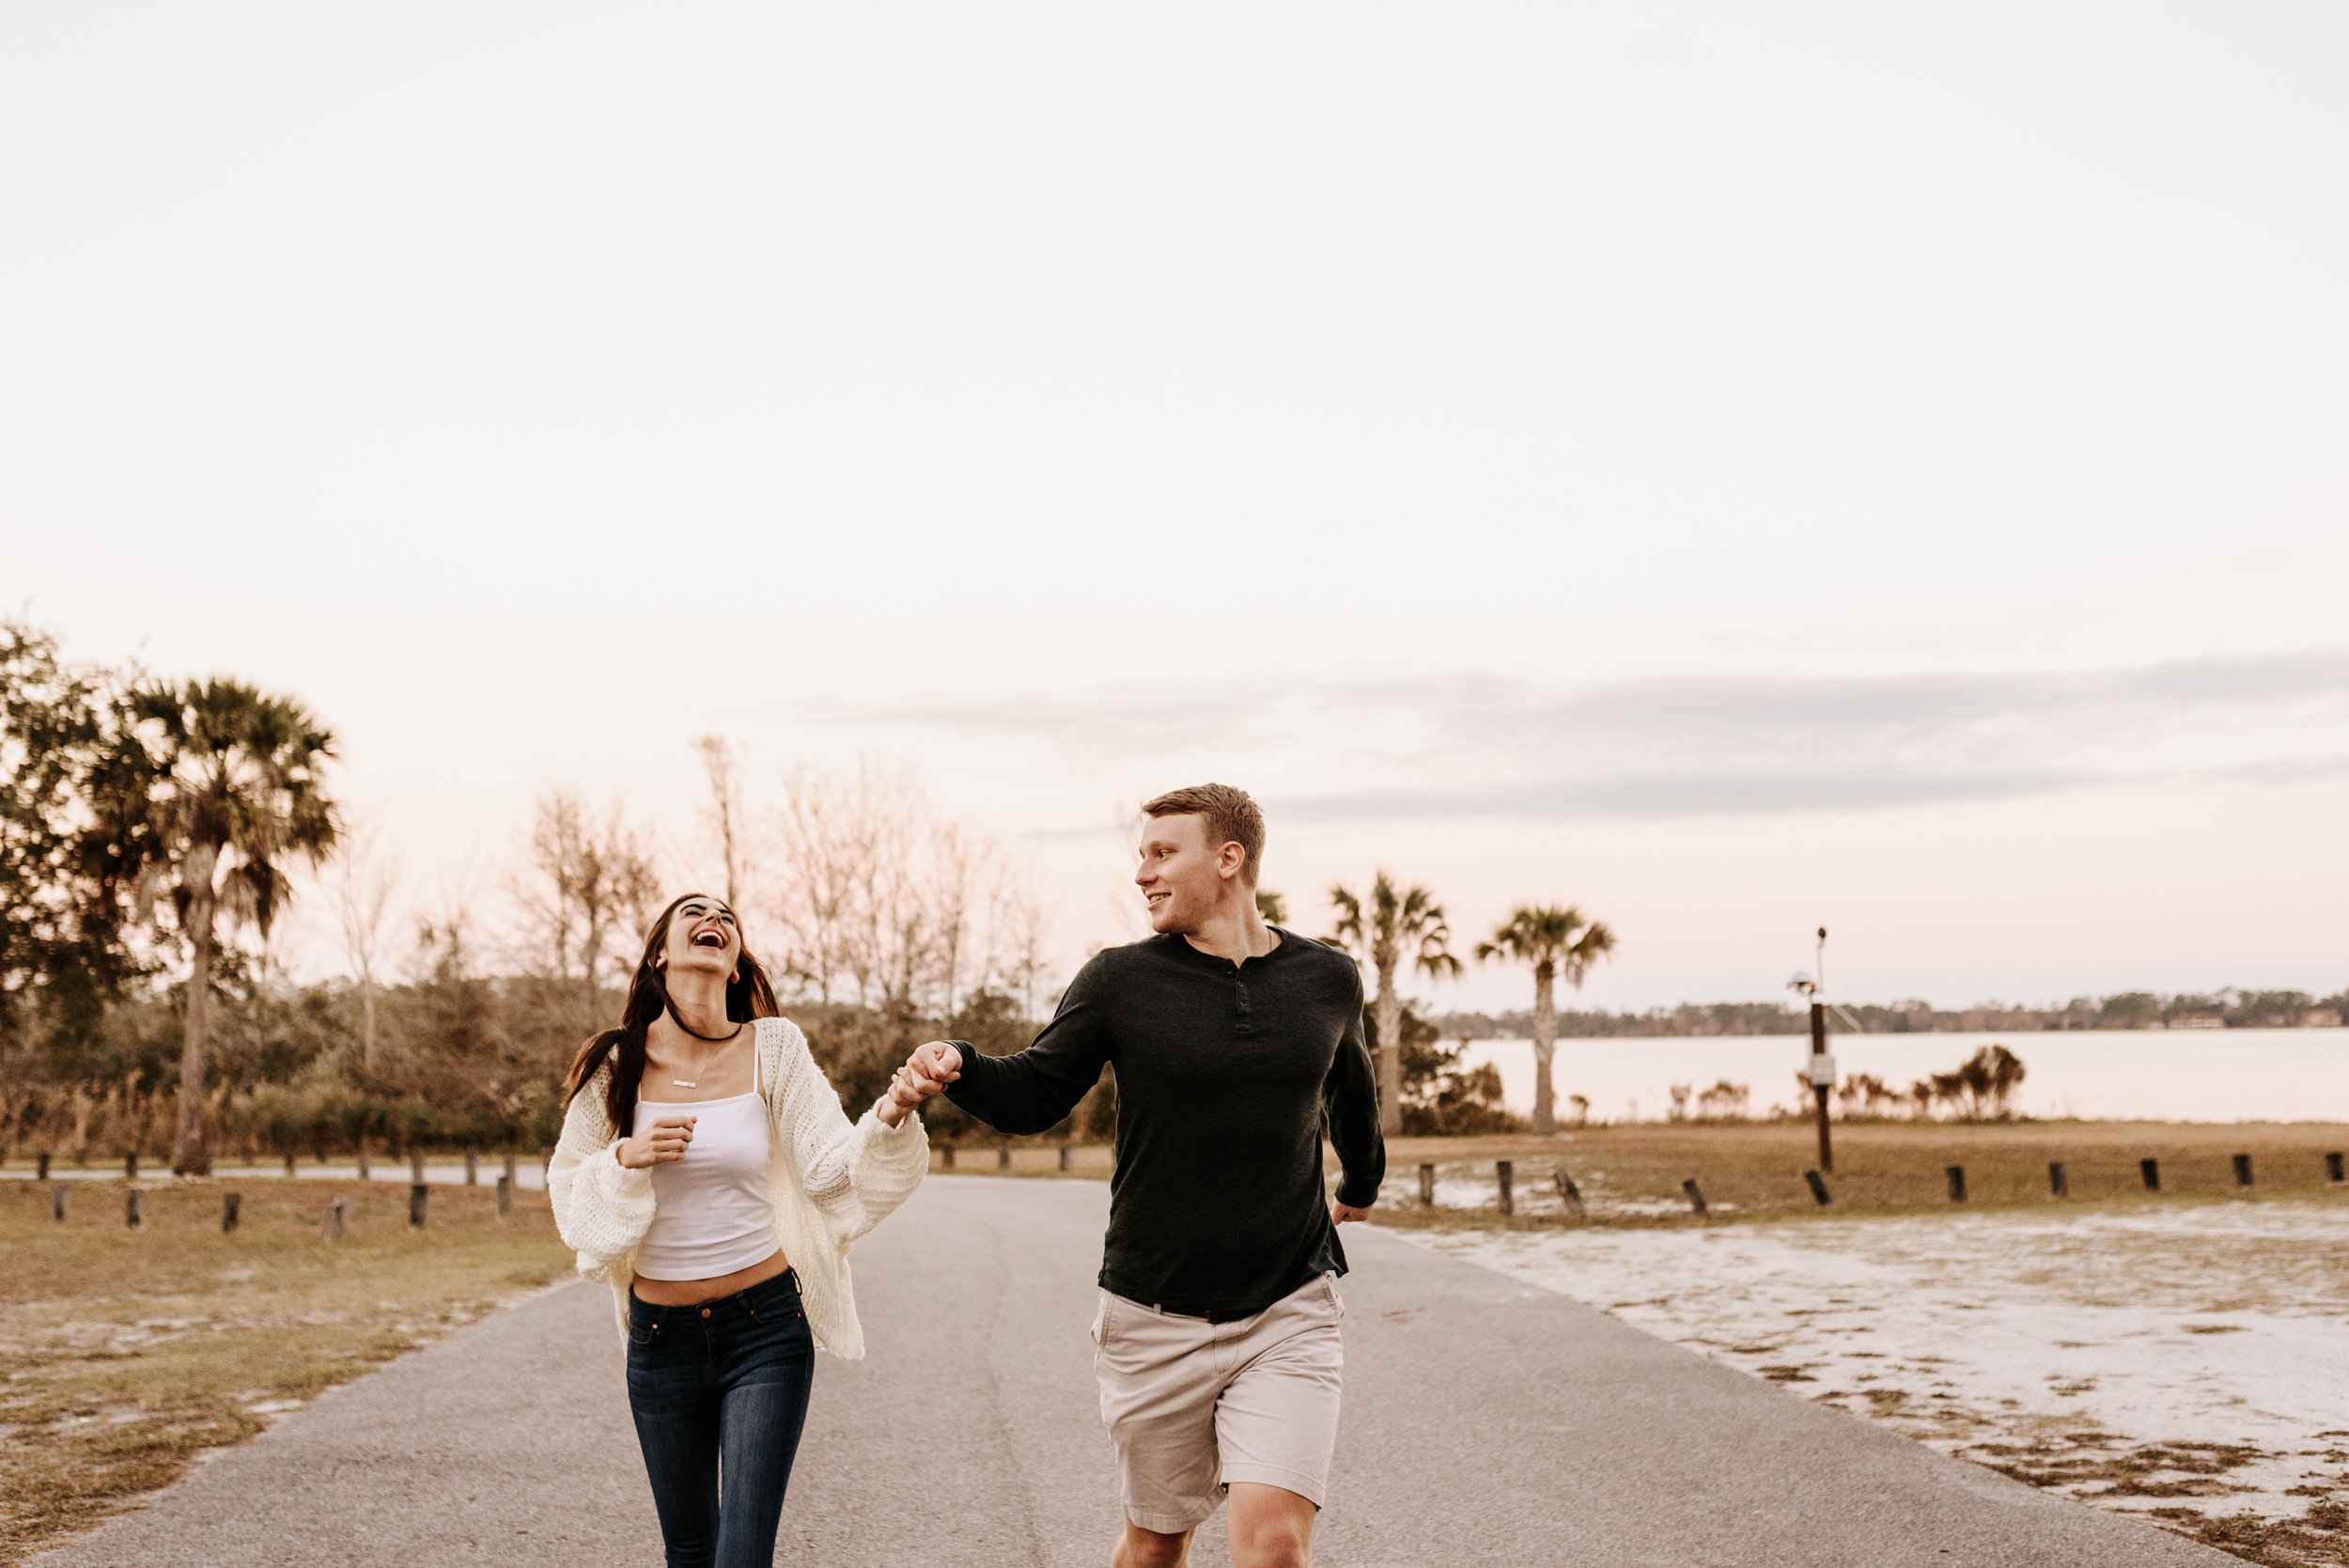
[748, 996]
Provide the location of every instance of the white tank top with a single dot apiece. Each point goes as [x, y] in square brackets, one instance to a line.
[711, 1214]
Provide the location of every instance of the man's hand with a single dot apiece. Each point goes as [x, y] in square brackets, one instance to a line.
[926, 1071]
[939, 1061]
[1341, 1213]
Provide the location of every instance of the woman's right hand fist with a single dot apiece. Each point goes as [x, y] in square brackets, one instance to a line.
[667, 1138]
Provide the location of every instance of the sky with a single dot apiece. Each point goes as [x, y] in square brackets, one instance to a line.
[1733, 470]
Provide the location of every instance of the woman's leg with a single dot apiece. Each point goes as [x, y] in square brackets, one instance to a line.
[762, 1407]
[674, 1397]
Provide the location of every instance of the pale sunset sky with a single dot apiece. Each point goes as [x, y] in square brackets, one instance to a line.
[1734, 468]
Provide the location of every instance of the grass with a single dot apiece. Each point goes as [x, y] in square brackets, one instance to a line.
[1746, 1170]
[125, 1355]
[1755, 1170]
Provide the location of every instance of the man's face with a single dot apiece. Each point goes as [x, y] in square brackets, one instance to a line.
[1181, 878]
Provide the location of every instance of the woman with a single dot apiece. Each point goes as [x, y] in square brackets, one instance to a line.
[705, 1170]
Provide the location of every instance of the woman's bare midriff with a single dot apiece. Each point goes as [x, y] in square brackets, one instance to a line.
[685, 1293]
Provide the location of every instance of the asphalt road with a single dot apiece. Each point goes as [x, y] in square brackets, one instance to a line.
[1485, 1422]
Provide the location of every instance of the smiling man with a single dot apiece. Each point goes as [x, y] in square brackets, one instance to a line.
[1233, 1042]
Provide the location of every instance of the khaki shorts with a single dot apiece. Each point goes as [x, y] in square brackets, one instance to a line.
[1192, 1406]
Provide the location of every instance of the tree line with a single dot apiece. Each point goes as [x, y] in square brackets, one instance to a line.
[2227, 1009]
[153, 834]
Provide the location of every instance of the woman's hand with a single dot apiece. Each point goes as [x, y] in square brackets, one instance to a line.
[667, 1138]
[925, 1073]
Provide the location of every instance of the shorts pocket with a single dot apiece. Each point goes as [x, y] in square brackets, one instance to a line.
[642, 1334]
[1337, 1302]
[1099, 1333]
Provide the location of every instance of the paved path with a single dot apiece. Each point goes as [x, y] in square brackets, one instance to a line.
[1485, 1422]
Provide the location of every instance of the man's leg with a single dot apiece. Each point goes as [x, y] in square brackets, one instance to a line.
[1158, 1384]
[1276, 1424]
[1147, 1548]
[1271, 1527]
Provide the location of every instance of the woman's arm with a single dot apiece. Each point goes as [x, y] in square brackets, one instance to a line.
[602, 1208]
[856, 1173]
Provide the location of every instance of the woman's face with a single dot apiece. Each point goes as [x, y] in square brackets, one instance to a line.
[702, 938]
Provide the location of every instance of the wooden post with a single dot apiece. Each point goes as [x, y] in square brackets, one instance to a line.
[230, 1203]
[2058, 1184]
[130, 1207]
[334, 1219]
[415, 1166]
[1067, 1160]
[2243, 1169]
[1568, 1193]
[56, 1203]
[131, 1165]
[946, 1156]
[366, 1171]
[1818, 1048]
[1818, 1188]
[2150, 1171]
[1003, 1154]
[505, 1197]
[290, 1162]
[1506, 1173]
[473, 1166]
[509, 1165]
[418, 1195]
[1956, 1174]
[43, 1172]
[1696, 1196]
[1426, 1186]
[2332, 1166]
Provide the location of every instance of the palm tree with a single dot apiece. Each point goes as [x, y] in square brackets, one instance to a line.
[1395, 926]
[232, 792]
[1555, 940]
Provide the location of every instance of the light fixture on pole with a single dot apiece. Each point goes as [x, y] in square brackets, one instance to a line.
[1820, 1069]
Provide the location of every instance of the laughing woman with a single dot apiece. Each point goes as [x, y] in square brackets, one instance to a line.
[706, 1170]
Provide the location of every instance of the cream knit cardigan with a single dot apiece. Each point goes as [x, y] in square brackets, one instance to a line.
[830, 1183]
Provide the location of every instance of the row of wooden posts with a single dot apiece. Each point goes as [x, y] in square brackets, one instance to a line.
[2059, 1184]
[337, 1211]
[1002, 1156]
[367, 1166]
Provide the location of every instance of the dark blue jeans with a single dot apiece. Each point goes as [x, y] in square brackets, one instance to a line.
[720, 1387]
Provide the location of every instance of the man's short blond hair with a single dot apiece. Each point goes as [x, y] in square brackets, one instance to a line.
[1227, 813]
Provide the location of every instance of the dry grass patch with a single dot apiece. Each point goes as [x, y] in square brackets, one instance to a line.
[1632, 1175]
[125, 1355]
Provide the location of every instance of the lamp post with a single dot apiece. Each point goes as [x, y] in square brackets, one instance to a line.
[1820, 1069]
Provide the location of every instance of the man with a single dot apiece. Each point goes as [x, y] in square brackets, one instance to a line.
[1218, 1325]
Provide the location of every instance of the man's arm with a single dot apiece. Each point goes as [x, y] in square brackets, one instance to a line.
[1349, 1097]
[1030, 1092]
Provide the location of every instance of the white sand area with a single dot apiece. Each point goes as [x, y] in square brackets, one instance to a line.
[2187, 1356]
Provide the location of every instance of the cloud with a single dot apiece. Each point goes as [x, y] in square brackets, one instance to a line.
[1484, 746]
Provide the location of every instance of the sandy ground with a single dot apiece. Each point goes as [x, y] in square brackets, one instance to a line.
[2194, 1358]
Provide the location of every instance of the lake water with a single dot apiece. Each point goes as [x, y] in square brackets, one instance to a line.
[2187, 1075]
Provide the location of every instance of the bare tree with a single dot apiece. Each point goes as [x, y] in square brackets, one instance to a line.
[584, 880]
[365, 878]
[814, 847]
[1017, 928]
[874, 890]
[724, 810]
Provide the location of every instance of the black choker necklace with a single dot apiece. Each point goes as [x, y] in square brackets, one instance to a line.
[713, 1039]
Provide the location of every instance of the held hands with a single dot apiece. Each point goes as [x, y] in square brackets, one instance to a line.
[926, 1071]
[667, 1138]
